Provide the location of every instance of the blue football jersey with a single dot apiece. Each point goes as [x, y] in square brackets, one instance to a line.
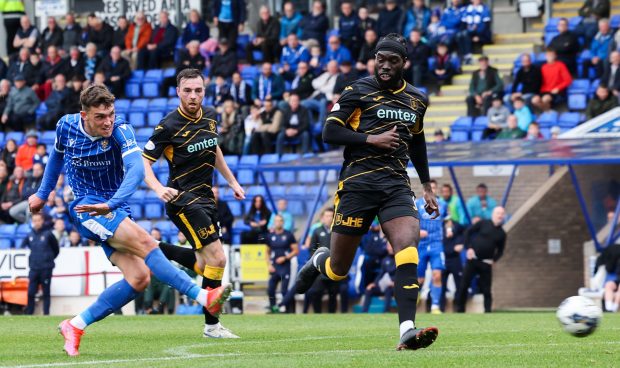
[94, 165]
[433, 227]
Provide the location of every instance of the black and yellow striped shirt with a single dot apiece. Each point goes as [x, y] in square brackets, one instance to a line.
[189, 146]
[366, 108]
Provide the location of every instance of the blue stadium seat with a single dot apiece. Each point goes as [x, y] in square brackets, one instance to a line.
[573, 22]
[548, 119]
[232, 161]
[158, 104]
[122, 105]
[459, 136]
[136, 76]
[22, 230]
[577, 101]
[272, 158]
[249, 72]
[153, 75]
[552, 25]
[476, 135]
[235, 208]
[286, 177]
[307, 176]
[220, 180]
[546, 133]
[246, 176]
[41, 109]
[143, 134]
[164, 226]
[139, 105]
[277, 191]
[481, 122]
[154, 118]
[153, 211]
[248, 162]
[150, 89]
[132, 90]
[146, 225]
[136, 211]
[296, 208]
[137, 120]
[549, 37]
[163, 177]
[137, 197]
[615, 21]
[570, 119]
[16, 136]
[313, 190]
[593, 86]
[296, 192]
[173, 103]
[5, 243]
[47, 137]
[169, 72]
[255, 190]
[7, 230]
[247, 169]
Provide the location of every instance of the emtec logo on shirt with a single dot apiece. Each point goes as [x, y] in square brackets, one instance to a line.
[396, 115]
[349, 221]
[205, 144]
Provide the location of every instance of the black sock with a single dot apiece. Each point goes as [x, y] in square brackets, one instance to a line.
[209, 319]
[183, 256]
[406, 291]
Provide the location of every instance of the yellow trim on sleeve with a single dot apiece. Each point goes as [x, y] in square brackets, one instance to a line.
[336, 119]
[148, 157]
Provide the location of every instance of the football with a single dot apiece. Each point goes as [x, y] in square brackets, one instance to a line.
[579, 315]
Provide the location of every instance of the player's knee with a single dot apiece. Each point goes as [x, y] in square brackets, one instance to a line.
[437, 277]
[140, 279]
[146, 242]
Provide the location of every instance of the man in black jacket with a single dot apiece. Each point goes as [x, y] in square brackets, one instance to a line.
[301, 81]
[295, 126]
[566, 45]
[529, 78]
[224, 62]
[452, 248]
[418, 54]
[116, 70]
[190, 58]
[161, 45]
[390, 19]
[346, 77]
[20, 211]
[267, 37]
[485, 241]
[484, 83]
[314, 25]
[43, 250]
[611, 75]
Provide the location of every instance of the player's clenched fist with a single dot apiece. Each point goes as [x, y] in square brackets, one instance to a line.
[386, 140]
[35, 203]
[166, 194]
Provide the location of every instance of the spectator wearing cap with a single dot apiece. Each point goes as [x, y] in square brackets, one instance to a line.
[481, 205]
[418, 17]
[267, 86]
[72, 34]
[602, 102]
[116, 70]
[289, 23]
[512, 131]
[292, 54]
[523, 113]
[224, 62]
[26, 152]
[137, 38]
[348, 28]
[367, 51]
[161, 44]
[390, 20]
[27, 35]
[555, 80]
[442, 70]
[476, 19]
[314, 25]
[196, 29]
[335, 51]
[438, 136]
[599, 50]
[21, 105]
[527, 81]
[266, 37]
[484, 83]
[611, 76]
[497, 117]
[51, 36]
[418, 53]
[188, 58]
[229, 17]
[55, 104]
[566, 45]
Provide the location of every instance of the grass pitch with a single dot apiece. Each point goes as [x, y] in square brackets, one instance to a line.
[496, 340]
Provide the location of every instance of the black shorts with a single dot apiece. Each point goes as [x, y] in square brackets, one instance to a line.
[356, 208]
[197, 222]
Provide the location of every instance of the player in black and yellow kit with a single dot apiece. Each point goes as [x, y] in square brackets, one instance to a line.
[188, 139]
[379, 120]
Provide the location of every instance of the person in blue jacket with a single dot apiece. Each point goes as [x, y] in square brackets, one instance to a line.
[418, 17]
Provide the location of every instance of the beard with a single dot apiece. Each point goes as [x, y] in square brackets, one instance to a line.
[393, 82]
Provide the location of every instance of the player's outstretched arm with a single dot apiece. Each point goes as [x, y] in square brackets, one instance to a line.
[163, 192]
[48, 183]
[222, 167]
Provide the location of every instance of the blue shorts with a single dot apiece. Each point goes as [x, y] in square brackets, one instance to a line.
[611, 277]
[97, 228]
[433, 255]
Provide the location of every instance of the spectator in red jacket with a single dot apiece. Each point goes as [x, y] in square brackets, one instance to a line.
[137, 38]
[26, 152]
[555, 80]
